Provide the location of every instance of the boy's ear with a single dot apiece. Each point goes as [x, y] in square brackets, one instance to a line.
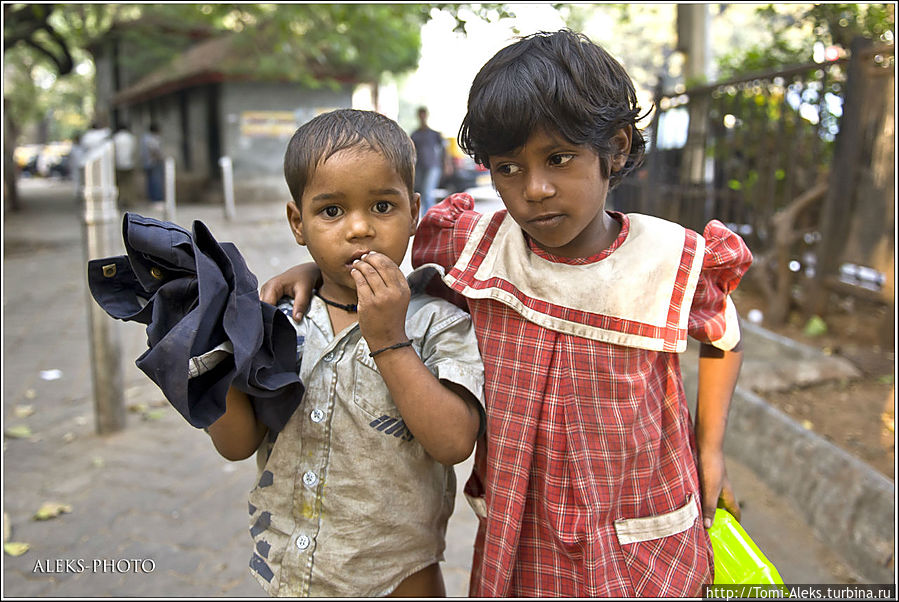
[621, 142]
[295, 219]
[415, 207]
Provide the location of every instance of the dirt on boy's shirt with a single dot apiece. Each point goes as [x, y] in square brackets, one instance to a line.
[347, 501]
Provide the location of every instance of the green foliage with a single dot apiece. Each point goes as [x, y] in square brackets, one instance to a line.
[316, 44]
[795, 28]
[839, 24]
[323, 43]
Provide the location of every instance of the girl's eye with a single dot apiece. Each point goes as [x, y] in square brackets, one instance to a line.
[331, 211]
[507, 169]
[382, 207]
[561, 159]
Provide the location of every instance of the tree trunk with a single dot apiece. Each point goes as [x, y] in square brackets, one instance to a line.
[10, 186]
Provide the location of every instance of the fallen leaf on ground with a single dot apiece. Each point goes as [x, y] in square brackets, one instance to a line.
[16, 548]
[20, 431]
[23, 411]
[51, 510]
[154, 414]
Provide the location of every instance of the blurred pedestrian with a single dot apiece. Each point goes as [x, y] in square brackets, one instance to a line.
[94, 138]
[125, 147]
[151, 159]
[430, 154]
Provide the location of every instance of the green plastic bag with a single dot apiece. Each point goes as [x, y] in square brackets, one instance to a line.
[738, 561]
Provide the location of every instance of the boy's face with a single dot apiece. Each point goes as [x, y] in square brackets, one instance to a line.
[556, 192]
[355, 202]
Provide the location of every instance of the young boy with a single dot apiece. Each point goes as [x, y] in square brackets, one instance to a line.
[354, 494]
[593, 481]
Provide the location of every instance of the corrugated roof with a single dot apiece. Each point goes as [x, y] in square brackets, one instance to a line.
[219, 59]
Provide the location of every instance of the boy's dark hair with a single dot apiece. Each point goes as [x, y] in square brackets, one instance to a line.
[561, 81]
[326, 134]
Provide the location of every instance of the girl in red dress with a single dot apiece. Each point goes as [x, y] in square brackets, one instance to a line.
[591, 480]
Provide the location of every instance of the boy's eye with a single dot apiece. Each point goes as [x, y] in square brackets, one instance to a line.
[331, 211]
[382, 207]
[561, 158]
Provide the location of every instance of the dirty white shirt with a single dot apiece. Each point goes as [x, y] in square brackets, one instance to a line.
[347, 502]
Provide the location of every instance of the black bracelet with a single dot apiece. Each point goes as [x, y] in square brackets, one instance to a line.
[397, 346]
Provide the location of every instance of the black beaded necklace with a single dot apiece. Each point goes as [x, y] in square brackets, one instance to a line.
[350, 307]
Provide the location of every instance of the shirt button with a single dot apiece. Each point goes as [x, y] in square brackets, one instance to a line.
[328, 356]
[317, 415]
[310, 478]
[303, 542]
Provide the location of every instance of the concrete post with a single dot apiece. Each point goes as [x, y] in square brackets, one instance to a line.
[102, 237]
[228, 185]
[170, 189]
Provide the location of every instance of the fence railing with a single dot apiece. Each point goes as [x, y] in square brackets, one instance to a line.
[741, 150]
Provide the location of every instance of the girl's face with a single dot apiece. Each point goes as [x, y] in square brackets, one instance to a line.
[556, 192]
[355, 202]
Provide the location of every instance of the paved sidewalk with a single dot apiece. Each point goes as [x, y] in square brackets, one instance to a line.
[154, 511]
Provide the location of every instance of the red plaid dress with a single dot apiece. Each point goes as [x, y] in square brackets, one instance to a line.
[583, 435]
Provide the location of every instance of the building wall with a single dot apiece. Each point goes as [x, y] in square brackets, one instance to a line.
[257, 122]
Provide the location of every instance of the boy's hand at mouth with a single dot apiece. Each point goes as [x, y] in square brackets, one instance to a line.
[383, 296]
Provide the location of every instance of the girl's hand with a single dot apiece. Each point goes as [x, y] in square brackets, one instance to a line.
[383, 296]
[715, 488]
[296, 282]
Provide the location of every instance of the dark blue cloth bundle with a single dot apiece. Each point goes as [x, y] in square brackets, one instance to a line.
[193, 294]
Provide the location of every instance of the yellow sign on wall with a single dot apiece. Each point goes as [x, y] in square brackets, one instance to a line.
[268, 124]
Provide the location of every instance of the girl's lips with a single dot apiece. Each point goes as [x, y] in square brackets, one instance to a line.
[547, 219]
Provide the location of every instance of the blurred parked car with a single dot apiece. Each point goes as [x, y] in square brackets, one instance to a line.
[460, 171]
[25, 157]
[44, 160]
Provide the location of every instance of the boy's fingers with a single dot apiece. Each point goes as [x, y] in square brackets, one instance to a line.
[388, 270]
[363, 289]
[371, 273]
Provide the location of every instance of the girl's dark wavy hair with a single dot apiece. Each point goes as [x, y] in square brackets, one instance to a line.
[326, 134]
[561, 81]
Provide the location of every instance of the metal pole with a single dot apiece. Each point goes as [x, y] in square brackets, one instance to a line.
[228, 184]
[170, 189]
[102, 238]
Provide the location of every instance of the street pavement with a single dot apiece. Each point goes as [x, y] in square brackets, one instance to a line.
[153, 510]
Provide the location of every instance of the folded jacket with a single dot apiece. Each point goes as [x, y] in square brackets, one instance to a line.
[195, 294]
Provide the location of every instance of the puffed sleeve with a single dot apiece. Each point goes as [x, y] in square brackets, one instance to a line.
[440, 238]
[713, 316]
[443, 231]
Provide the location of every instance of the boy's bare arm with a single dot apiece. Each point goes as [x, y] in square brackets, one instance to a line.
[296, 282]
[718, 372]
[443, 417]
[238, 433]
